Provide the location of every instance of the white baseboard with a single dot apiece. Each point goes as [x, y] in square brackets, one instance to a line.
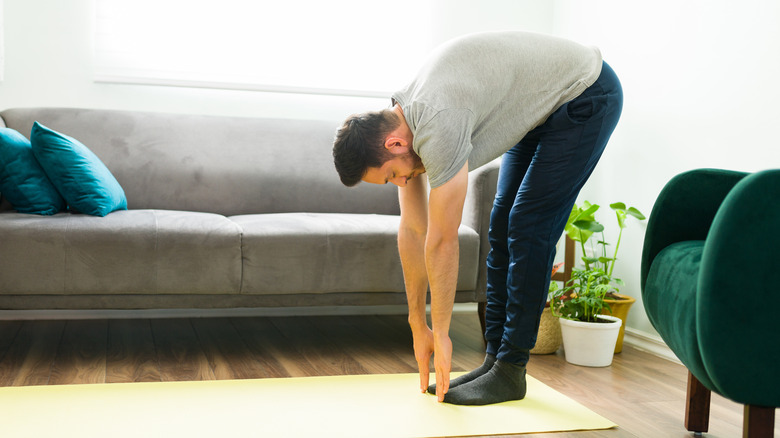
[650, 343]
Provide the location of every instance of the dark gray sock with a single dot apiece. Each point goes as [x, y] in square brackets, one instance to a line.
[471, 375]
[504, 382]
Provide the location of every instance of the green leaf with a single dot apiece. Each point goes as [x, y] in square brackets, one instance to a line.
[577, 235]
[573, 214]
[573, 232]
[617, 206]
[584, 213]
[589, 210]
[605, 259]
[636, 213]
[590, 259]
[586, 225]
[578, 226]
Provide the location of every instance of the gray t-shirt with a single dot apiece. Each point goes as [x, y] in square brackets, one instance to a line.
[478, 95]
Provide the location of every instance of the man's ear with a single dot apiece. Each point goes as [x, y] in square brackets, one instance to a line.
[396, 144]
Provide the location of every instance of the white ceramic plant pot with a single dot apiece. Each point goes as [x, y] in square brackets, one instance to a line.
[590, 344]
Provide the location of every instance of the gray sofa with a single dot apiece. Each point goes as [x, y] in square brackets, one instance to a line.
[223, 213]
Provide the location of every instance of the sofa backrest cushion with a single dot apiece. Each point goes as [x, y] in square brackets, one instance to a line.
[22, 179]
[224, 165]
[77, 173]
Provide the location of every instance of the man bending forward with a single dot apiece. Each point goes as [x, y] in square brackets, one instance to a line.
[547, 106]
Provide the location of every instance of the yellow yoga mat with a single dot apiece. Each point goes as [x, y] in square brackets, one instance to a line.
[340, 406]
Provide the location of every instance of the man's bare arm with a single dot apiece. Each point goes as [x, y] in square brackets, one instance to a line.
[445, 208]
[413, 200]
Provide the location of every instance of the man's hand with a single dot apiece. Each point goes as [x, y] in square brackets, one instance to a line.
[442, 362]
[427, 343]
[423, 349]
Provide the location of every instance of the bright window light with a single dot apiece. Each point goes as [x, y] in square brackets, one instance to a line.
[344, 47]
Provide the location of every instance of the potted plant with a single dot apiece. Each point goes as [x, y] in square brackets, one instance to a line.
[588, 336]
[593, 291]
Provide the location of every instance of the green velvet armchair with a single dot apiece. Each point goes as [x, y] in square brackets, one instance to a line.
[710, 288]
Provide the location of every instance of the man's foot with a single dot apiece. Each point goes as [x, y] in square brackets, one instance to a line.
[468, 377]
[504, 382]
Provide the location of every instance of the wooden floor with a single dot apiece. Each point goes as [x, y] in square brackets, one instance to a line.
[640, 392]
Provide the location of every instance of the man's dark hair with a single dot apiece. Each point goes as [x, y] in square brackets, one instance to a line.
[360, 144]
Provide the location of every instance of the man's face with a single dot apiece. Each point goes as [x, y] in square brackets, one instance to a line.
[399, 170]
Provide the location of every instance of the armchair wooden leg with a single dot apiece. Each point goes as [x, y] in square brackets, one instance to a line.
[697, 406]
[758, 422]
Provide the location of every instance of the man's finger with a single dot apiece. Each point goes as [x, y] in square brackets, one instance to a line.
[442, 384]
[424, 381]
[424, 374]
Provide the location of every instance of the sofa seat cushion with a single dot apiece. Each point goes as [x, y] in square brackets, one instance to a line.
[126, 252]
[671, 301]
[288, 253]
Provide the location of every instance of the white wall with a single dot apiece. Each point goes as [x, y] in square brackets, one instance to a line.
[48, 62]
[698, 78]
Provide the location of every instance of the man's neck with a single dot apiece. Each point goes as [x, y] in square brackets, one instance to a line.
[400, 113]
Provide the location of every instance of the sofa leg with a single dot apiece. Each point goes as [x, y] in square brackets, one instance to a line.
[758, 422]
[481, 310]
[697, 406]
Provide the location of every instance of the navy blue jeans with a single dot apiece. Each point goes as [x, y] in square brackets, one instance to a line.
[538, 184]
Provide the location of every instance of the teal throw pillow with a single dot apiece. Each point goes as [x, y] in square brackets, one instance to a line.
[81, 178]
[22, 180]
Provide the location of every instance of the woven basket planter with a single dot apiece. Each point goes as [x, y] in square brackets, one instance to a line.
[549, 339]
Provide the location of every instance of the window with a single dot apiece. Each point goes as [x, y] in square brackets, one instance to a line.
[344, 47]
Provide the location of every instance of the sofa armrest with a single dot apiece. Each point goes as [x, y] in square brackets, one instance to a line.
[736, 308]
[684, 210]
[476, 214]
[481, 192]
